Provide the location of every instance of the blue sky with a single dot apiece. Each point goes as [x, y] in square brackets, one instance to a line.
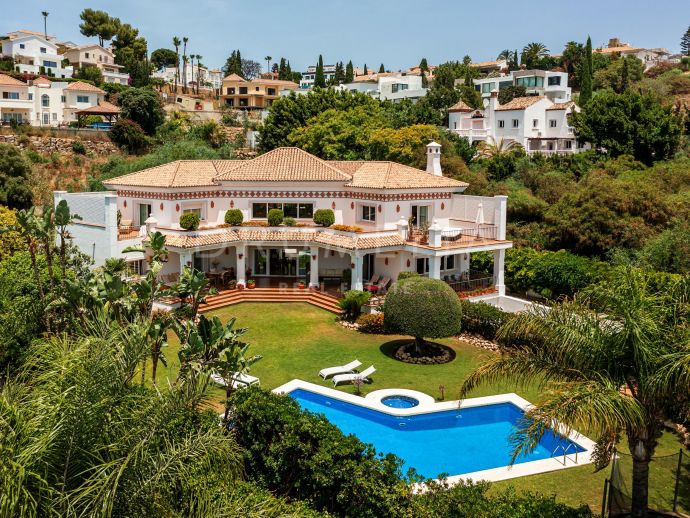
[397, 33]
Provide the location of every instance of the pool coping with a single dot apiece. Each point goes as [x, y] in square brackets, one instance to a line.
[427, 405]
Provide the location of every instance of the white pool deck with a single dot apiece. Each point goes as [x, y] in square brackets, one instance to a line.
[428, 404]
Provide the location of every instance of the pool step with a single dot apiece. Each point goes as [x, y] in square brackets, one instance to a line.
[229, 297]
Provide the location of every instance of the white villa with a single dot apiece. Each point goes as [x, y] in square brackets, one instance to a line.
[34, 53]
[394, 86]
[537, 123]
[553, 85]
[309, 76]
[389, 218]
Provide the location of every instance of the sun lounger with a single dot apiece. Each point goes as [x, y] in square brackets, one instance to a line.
[341, 369]
[350, 378]
[238, 380]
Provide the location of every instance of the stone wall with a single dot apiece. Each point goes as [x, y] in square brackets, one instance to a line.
[48, 145]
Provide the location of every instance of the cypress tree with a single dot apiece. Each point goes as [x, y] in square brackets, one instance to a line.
[586, 73]
[382, 69]
[281, 69]
[339, 73]
[423, 65]
[685, 43]
[366, 72]
[425, 81]
[319, 78]
[349, 72]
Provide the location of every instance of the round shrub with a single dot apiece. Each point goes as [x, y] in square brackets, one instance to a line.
[189, 221]
[78, 147]
[289, 222]
[234, 217]
[275, 217]
[128, 135]
[423, 308]
[324, 217]
[407, 275]
[371, 324]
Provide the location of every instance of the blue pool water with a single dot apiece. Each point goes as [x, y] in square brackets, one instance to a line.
[451, 442]
[400, 401]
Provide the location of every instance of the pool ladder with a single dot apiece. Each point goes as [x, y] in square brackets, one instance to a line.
[565, 450]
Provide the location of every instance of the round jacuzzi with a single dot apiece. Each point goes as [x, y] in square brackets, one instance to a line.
[399, 401]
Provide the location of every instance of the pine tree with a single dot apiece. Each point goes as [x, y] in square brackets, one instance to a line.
[382, 69]
[349, 72]
[685, 43]
[319, 78]
[366, 72]
[423, 65]
[339, 73]
[282, 69]
[586, 73]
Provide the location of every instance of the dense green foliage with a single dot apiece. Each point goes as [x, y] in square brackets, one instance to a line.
[324, 217]
[275, 217]
[352, 303]
[234, 217]
[91, 74]
[189, 221]
[423, 308]
[129, 136]
[15, 171]
[371, 323]
[482, 319]
[143, 106]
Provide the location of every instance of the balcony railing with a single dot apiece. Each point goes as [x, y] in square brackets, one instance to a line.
[454, 236]
[470, 281]
[125, 232]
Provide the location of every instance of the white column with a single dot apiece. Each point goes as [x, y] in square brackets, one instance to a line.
[435, 235]
[241, 251]
[185, 258]
[434, 267]
[501, 216]
[314, 268]
[358, 263]
[499, 275]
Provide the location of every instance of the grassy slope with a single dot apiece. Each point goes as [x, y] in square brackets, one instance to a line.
[297, 340]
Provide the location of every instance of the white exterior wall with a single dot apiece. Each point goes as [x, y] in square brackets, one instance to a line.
[13, 108]
[55, 110]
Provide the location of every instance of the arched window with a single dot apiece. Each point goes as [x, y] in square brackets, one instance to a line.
[45, 101]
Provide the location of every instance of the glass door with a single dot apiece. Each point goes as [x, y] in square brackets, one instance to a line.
[304, 263]
[367, 267]
[144, 212]
[420, 215]
[260, 262]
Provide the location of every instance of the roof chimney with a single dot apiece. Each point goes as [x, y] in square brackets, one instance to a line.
[433, 159]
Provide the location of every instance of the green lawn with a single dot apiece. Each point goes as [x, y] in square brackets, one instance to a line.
[297, 340]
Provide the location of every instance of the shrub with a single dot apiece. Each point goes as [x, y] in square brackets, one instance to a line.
[275, 217]
[371, 324]
[144, 106]
[78, 147]
[324, 217]
[347, 228]
[189, 221]
[352, 303]
[234, 217]
[482, 319]
[296, 454]
[129, 136]
[289, 222]
[407, 275]
[423, 308]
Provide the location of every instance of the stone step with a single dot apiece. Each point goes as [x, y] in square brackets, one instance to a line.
[322, 300]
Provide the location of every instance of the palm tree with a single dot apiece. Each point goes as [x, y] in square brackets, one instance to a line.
[185, 39]
[609, 363]
[176, 43]
[199, 57]
[533, 52]
[505, 55]
[191, 288]
[63, 219]
[191, 58]
[491, 148]
[45, 23]
[268, 63]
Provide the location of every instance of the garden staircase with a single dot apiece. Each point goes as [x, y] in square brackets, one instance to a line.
[313, 297]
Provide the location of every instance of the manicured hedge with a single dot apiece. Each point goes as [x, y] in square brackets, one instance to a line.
[480, 318]
[324, 217]
[234, 217]
[275, 217]
[189, 221]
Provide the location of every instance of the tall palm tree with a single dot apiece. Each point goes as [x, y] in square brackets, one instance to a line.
[491, 147]
[45, 23]
[185, 40]
[199, 57]
[506, 54]
[268, 63]
[609, 363]
[191, 58]
[176, 43]
[533, 52]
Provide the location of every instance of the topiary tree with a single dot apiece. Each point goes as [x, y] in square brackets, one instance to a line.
[189, 221]
[234, 217]
[275, 217]
[324, 217]
[423, 308]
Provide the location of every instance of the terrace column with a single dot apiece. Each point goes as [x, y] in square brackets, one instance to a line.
[434, 267]
[499, 275]
[241, 251]
[357, 263]
[435, 235]
[185, 259]
[314, 268]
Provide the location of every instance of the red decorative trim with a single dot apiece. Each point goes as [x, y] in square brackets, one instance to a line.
[397, 208]
[284, 194]
[443, 206]
[333, 205]
[212, 204]
[408, 263]
[161, 206]
[232, 203]
[177, 207]
[125, 203]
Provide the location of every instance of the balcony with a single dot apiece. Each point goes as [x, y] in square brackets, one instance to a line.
[471, 134]
[471, 235]
[126, 232]
[470, 283]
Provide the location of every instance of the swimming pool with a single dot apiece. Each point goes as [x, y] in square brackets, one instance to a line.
[448, 441]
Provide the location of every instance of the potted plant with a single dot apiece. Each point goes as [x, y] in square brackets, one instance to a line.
[232, 284]
[302, 285]
[251, 284]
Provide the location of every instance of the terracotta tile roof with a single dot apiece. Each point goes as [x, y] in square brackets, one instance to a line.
[103, 108]
[181, 173]
[347, 166]
[561, 106]
[277, 82]
[6, 80]
[197, 240]
[235, 77]
[42, 81]
[460, 106]
[610, 50]
[288, 164]
[486, 64]
[80, 86]
[390, 175]
[520, 103]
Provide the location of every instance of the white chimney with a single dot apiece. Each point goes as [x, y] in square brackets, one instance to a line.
[433, 159]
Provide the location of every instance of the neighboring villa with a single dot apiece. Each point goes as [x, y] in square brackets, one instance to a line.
[254, 94]
[207, 79]
[650, 57]
[42, 102]
[390, 86]
[537, 123]
[392, 218]
[488, 67]
[34, 53]
[553, 85]
[96, 56]
[309, 76]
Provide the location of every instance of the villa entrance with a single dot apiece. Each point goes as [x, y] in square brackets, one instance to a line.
[281, 262]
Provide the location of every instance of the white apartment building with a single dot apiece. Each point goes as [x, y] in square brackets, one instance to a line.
[537, 123]
[33, 53]
[100, 57]
[398, 218]
[390, 87]
[45, 102]
[309, 76]
[199, 74]
[553, 85]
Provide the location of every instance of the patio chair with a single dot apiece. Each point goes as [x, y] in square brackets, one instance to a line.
[351, 378]
[341, 369]
[372, 282]
[384, 284]
[239, 380]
